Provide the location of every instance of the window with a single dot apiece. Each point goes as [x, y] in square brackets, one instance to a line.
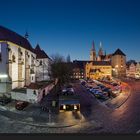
[13, 58]
[34, 92]
[40, 63]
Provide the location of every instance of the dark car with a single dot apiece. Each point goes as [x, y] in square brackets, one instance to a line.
[20, 105]
[83, 83]
[4, 101]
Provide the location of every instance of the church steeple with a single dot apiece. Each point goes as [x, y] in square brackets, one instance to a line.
[100, 53]
[93, 52]
[26, 35]
[93, 47]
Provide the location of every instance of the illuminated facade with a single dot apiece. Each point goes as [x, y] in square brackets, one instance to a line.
[18, 61]
[118, 62]
[101, 65]
[133, 70]
[98, 69]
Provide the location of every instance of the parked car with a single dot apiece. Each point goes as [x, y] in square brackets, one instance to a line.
[100, 95]
[94, 90]
[4, 101]
[89, 87]
[83, 83]
[20, 105]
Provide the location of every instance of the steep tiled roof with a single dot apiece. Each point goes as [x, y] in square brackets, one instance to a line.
[11, 36]
[119, 52]
[101, 63]
[81, 64]
[40, 53]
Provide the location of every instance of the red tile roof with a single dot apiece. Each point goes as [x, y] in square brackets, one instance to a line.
[11, 36]
[34, 86]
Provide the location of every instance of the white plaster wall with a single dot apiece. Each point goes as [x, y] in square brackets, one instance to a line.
[3, 67]
[4, 53]
[31, 96]
[45, 67]
[14, 77]
[19, 96]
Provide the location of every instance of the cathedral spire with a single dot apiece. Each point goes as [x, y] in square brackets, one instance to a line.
[93, 46]
[100, 53]
[100, 44]
[93, 52]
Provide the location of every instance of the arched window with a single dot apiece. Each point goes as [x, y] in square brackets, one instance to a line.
[13, 58]
[40, 62]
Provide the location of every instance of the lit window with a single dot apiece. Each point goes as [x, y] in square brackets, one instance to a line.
[75, 107]
[64, 107]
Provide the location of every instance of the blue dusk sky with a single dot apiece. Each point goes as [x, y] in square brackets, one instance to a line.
[70, 26]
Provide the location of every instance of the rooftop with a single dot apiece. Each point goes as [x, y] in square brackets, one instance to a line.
[40, 53]
[119, 52]
[11, 36]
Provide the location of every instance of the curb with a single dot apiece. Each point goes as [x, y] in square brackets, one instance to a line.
[125, 99]
[129, 92]
[49, 125]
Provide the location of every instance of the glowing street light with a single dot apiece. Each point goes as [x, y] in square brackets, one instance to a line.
[75, 107]
[64, 107]
[3, 75]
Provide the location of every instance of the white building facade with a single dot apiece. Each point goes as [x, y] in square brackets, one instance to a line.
[18, 62]
[43, 63]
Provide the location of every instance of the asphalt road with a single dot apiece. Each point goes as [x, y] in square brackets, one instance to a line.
[124, 120]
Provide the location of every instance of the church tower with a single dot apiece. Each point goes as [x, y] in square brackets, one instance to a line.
[93, 53]
[100, 52]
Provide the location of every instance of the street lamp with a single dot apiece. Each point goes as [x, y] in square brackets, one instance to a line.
[3, 75]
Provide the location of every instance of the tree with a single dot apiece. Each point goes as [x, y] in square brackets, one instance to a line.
[60, 69]
[68, 59]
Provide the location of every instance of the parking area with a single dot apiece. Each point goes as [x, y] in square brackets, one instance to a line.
[103, 90]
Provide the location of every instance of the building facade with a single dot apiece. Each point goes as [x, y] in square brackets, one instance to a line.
[118, 62]
[101, 64]
[133, 70]
[98, 70]
[18, 61]
[42, 65]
